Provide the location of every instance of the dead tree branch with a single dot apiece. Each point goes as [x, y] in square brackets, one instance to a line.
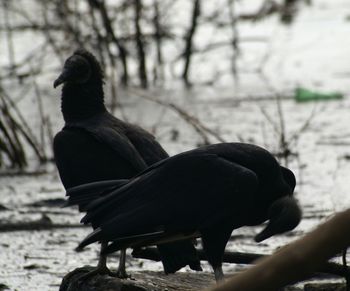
[10, 132]
[187, 54]
[9, 38]
[151, 253]
[140, 44]
[101, 7]
[158, 37]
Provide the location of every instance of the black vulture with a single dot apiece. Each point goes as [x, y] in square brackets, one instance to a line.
[206, 192]
[94, 145]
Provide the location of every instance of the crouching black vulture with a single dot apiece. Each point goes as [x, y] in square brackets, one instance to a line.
[94, 146]
[207, 192]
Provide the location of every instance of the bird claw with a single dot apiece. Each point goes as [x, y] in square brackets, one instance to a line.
[103, 270]
[89, 275]
[121, 274]
[219, 275]
[100, 271]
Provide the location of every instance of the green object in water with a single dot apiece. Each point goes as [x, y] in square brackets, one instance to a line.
[304, 95]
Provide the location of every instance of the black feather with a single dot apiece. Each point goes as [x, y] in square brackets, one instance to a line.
[208, 192]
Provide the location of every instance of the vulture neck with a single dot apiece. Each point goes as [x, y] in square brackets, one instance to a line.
[82, 101]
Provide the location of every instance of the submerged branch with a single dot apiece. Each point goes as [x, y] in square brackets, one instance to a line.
[43, 223]
[152, 253]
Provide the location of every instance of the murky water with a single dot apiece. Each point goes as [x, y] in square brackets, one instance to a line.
[37, 260]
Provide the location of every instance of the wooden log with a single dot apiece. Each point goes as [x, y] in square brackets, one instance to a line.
[296, 261]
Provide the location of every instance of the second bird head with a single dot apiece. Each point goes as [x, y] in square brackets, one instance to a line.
[79, 68]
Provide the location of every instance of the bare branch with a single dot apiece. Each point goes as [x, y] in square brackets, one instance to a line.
[189, 41]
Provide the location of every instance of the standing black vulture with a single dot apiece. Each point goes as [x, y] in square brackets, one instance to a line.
[206, 192]
[94, 146]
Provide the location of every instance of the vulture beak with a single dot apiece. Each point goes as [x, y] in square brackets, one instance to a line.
[61, 78]
[284, 215]
[265, 233]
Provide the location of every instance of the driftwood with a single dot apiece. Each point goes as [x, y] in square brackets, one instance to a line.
[151, 253]
[44, 223]
[328, 268]
[296, 261]
[21, 173]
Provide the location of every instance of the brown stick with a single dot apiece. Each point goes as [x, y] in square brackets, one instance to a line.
[151, 253]
[296, 261]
